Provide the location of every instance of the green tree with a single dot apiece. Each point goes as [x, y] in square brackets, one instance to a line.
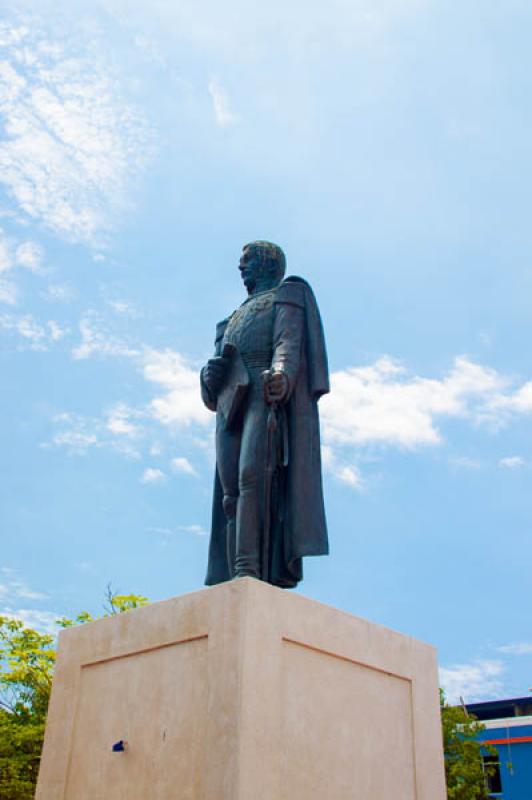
[27, 660]
[464, 771]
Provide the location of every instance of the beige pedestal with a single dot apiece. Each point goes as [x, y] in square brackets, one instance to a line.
[242, 692]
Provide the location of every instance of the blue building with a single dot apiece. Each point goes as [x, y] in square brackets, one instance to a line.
[509, 730]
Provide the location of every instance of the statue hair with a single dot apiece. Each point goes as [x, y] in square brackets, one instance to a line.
[271, 256]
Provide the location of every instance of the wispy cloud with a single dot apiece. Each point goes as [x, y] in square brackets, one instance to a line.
[76, 440]
[14, 589]
[29, 255]
[123, 308]
[480, 680]
[16, 255]
[72, 142]
[176, 405]
[194, 530]
[517, 649]
[220, 103]
[180, 403]
[31, 333]
[511, 462]
[345, 473]
[153, 475]
[78, 434]
[174, 373]
[466, 462]
[8, 292]
[119, 420]
[60, 292]
[43, 621]
[96, 340]
[182, 464]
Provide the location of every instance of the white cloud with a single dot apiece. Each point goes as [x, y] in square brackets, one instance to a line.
[183, 465]
[8, 292]
[345, 473]
[151, 49]
[22, 590]
[76, 441]
[6, 259]
[517, 649]
[34, 335]
[381, 405]
[79, 434]
[8, 571]
[123, 308]
[511, 462]
[30, 329]
[14, 589]
[16, 255]
[55, 331]
[72, 142]
[180, 404]
[96, 341]
[474, 682]
[29, 255]
[350, 476]
[220, 102]
[520, 401]
[60, 292]
[194, 530]
[43, 621]
[466, 462]
[152, 475]
[384, 404]
[119, 420]
[226, 29]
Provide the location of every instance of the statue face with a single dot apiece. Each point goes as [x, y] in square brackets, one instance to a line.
[251, 268]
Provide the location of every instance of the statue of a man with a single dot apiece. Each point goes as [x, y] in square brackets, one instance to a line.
[264, 382]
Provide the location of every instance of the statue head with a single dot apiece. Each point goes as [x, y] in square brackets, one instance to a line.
[262, 266]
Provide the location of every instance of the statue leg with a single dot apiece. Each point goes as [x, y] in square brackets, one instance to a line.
[227, 458]
[230, 506]
[251, 486]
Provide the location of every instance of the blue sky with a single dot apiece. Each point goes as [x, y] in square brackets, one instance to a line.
[386, 146]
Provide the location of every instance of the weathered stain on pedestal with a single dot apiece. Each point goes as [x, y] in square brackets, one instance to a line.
[242, 692]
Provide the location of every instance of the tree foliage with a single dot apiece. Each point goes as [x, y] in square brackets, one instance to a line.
[464, 771]
[27, 660]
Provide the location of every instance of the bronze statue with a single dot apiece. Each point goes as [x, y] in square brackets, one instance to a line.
[264, 382]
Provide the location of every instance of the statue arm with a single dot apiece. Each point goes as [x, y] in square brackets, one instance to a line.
[207, 395]
[288, 336]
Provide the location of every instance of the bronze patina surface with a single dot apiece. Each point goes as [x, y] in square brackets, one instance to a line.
[264, 381]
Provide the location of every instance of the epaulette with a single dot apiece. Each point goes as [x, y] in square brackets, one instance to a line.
[292, 292]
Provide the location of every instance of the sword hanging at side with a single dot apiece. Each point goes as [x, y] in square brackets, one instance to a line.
[271, 465]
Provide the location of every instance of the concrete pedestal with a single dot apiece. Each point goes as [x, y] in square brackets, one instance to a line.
[242, 692]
